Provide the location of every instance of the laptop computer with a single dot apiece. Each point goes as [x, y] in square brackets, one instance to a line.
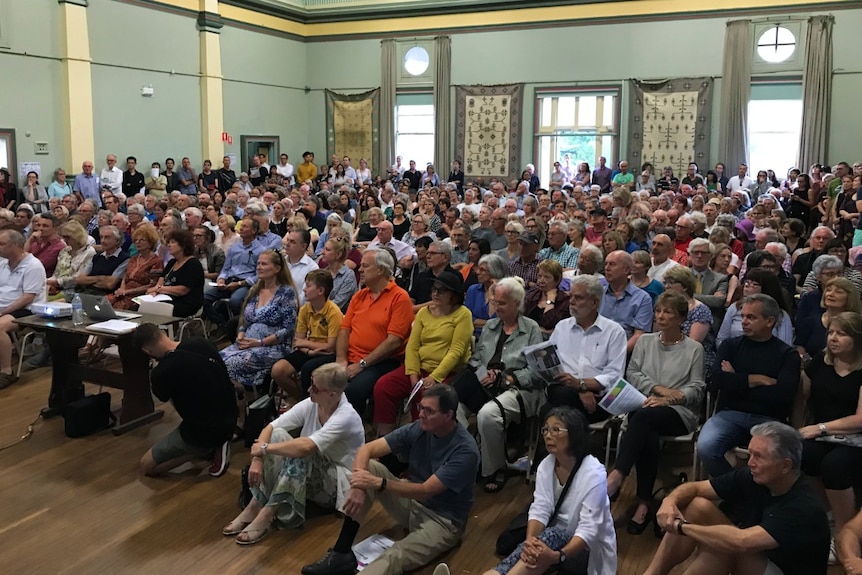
[97, 307]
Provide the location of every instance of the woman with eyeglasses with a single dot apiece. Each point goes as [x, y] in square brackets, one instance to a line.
[698, 324]
[367, 231]
[183, 280]
[834, 247]
[267, 323]
[479, 298]
[344, 281]
[498, 378]
[72, 260]
[581, 534]
[207, 252]
[512, 251]
[285, 473]
[546, 303]
[418, 229]
[142, 271]
[439, 346]
[757, 280]
[668, 368]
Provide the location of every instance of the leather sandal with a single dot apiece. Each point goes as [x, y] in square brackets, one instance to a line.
[235, 527]
[495, 482]
[251, 540]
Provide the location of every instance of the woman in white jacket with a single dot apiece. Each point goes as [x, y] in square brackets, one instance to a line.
[582, 531]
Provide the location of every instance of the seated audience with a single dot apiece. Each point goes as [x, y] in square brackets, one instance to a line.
[710, 287]
[73, 260]
[547, 303]
[662, 249]
[439, 346]
[698, 324]
[434, 500]
[437, 260]
[344, 281]
[183, 279]
[622, 301]
[478, 247]
[526, 265]
[480, 298]
[44, 242]
[192, 376]
[832, 385]
[317, 328]
[641, 263]
[769, 520]
[142, 271]
[109, 265]
[207, 252]
[757, 280]
[267, 324]
[667, 367]
[580, 536]
[849, 547]
[839, 295]
[513, 233]
[506, 392]
[238, 274]
[285, 472]
[558, 250]
[835, 248]
[756, 376]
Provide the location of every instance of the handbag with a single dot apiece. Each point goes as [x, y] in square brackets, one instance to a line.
[89, 415]
[472, 393]
[516, 532]
[259, 415]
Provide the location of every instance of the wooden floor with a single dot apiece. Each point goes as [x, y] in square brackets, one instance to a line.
[79, 507]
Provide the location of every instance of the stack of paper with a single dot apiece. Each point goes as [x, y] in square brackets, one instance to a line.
[114, 326]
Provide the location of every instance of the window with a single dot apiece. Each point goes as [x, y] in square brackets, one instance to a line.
[414, 128]
[582, 125]
[776, 44]
[774, 126]
[778, 47]
[416, 61]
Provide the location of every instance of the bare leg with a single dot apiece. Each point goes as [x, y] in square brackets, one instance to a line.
[260, 523]
[284, 375]
[674, 549]
[7, 324]
[615, 481]
[843, 505]
[245, 517]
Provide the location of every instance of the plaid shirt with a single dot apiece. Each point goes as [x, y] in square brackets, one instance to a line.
[528, 271]
[567, 256]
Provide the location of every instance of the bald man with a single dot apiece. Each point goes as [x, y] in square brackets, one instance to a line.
[624, 302]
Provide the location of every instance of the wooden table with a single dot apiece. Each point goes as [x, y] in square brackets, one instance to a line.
[68, 374]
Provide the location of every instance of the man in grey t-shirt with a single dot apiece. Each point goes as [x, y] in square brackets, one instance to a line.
[433, 503]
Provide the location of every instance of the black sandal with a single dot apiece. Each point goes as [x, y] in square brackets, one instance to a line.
[498, 480]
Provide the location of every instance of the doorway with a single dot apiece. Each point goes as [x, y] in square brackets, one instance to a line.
[7, 152]
[251, 145]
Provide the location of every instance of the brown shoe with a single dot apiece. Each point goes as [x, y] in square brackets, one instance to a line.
[7, 379]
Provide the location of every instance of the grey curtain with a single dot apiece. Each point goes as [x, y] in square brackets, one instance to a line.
[735, 94]
[442, 105]
[816, 92]
[388, 81]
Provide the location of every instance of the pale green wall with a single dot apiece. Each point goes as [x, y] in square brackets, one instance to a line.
[31, 78]
[264, 90]
[845, 136]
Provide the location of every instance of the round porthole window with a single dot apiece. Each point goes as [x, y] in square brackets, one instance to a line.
[416, 61]
[776, 44]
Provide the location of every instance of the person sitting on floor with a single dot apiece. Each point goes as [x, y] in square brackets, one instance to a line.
[191, 375]
[433, 503]
[578, 538]
[286, 472]
[317, 328]
[507, 393]
[849, 547]
[667, 367]
[770, 521]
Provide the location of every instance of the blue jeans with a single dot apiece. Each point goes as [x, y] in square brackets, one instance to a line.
[214, 294]
[721, 433]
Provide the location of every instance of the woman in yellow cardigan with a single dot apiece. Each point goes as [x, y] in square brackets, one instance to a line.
[440, 344]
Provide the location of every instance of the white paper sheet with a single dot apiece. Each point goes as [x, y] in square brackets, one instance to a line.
[622, 398]
[370, 549]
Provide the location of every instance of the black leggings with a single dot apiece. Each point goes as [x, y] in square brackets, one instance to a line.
[639, 446]
[838, 466]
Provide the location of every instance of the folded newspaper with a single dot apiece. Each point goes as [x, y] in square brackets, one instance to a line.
[544, 361]
[622, 398]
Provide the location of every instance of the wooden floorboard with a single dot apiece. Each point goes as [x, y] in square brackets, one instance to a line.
[79, 507]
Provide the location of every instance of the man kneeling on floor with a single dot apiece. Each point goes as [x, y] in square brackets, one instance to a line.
[770, 521]
[433, 503]
[193, 376]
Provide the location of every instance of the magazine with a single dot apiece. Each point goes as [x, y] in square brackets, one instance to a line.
[622, 398]
[544, 361]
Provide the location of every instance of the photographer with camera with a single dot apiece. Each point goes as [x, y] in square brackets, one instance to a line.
[497, 384]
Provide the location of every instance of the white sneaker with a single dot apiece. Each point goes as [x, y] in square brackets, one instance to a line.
[442, 569]
[833, 555]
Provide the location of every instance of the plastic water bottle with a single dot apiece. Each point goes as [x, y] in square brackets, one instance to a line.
[77, 310]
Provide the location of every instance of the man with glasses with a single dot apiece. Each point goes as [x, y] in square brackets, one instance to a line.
[497, 237]
[433, 505]
[111, 177]
[684, 227]
[437, 259]
[598, 225]
[558, 248]
[237, 276]
[87, 185]
[526, 265]
[710, 287]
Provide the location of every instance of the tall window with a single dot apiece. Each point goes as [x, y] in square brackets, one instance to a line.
[414, 128]
[582, 124]
[774, 126]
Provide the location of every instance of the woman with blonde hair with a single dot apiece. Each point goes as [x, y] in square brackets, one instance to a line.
[512, 251]
[227, 226]
[839, 295]
[72, 260]
[267, 323]
[335, 253]
[641, 263]
[698, 324]
[418, 229]
[367, 231]
[139, 276]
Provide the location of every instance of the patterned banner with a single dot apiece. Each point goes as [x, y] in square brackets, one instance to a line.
[669, 123]
[488, 134]
[352, 126]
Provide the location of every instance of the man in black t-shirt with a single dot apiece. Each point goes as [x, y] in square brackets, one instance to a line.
[769, 521]
[191, 375]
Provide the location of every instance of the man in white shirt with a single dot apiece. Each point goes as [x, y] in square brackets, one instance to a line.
[298, 261]
[404, 252]
[662, 248]
[285, 169]
[396, 170]
[740, 181]
[22, 282]
[112, 176]
[349, 172]
[592, 352]
[470, 203]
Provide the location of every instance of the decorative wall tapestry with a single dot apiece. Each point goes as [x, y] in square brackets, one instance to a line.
[352, 127]
[669, 123]
[488, 132]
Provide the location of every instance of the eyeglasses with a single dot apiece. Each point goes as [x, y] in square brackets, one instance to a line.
[553, 431]
[439, 289]
[700, 253]
[313, 388]
[428, 410]
[434, 253]
[751, 283]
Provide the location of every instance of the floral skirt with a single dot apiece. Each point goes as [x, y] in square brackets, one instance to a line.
[288, 483]
[554, 537]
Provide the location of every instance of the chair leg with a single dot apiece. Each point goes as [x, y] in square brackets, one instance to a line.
[22, 346]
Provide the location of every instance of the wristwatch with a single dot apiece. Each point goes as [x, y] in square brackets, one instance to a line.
[822, 428]
[363, 364]
[582, 386]
[263, 447]
[562, 556]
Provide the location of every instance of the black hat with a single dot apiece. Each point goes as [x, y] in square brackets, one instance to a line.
[529, 238]
[452, 281]
[598, 212]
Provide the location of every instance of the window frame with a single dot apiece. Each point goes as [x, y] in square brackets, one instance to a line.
[790, 82]
[795, 62]
[427, 97]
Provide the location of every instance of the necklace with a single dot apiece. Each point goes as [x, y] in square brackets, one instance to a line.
[661, 339]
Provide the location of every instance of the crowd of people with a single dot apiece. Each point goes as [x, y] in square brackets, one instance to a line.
[355, 287]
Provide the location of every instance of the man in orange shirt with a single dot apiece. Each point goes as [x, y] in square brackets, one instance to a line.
[375, 330]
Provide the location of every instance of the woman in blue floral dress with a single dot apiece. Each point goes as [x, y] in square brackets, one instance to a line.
[267, 324]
